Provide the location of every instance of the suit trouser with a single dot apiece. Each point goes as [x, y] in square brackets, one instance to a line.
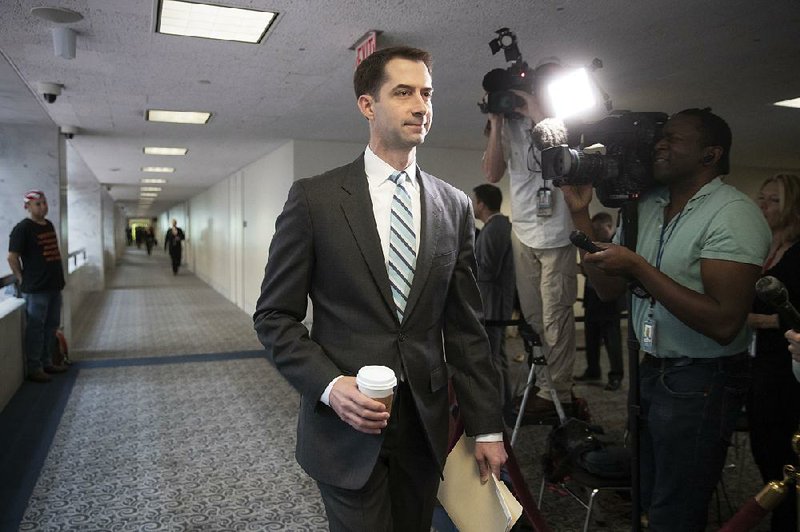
[547, 286]
[400, 495]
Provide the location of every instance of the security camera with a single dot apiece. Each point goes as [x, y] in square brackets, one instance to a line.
[69, 131]
[49, 91]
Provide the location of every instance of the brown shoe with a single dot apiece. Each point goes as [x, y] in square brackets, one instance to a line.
[39, 376]
[60, 368]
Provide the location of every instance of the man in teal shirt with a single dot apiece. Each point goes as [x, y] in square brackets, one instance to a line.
[700, 248]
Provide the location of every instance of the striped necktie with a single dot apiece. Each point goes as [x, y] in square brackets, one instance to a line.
[402, 241]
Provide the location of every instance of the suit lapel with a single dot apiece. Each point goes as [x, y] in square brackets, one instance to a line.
[357, 207]
[430, 226]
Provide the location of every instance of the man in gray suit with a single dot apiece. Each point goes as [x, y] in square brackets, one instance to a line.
[496, 282]
[334, 241]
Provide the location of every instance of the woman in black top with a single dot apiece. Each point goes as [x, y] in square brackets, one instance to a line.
[773, 407]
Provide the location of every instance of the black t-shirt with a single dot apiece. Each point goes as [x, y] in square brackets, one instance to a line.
[37, 246]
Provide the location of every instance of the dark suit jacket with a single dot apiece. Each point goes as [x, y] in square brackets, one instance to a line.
[326, 245]
[495, 259]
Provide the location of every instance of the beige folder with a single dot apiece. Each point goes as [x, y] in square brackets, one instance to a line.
[472, 506]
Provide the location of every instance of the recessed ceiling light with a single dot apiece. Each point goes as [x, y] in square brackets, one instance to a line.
[794, 102]
[177, 117]
[153, 180]
[158, 169]
[213, 22]
[150, 189]
[153, 150]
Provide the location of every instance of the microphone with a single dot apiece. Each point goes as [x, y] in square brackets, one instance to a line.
[771, 291]
[549, 133]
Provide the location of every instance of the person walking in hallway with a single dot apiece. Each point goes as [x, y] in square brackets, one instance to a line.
[385, 252]
[35, 260]
[172, 242]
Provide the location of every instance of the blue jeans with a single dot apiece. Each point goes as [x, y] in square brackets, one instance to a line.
[689, 410]
[43, 312]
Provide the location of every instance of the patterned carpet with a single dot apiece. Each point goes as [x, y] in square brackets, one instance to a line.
[146, 311]
[153, 437]
[188, 446]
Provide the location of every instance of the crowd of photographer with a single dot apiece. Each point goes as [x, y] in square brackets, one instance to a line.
[689, 247]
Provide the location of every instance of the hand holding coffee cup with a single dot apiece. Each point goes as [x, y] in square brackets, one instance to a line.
[377, 382]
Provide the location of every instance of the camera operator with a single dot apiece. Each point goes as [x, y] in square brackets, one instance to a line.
[544, 259]
[700, 247]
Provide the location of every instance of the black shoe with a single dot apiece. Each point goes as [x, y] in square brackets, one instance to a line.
[587, 377]
[614, 384]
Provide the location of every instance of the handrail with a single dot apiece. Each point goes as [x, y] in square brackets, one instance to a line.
[74, 256]
[10, 280]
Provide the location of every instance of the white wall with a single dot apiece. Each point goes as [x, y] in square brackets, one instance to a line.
[210, 236]
[28, 160]
[265, 186]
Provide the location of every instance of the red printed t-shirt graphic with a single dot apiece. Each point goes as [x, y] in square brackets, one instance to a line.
[49, 244]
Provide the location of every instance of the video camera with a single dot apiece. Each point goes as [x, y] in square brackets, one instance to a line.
[499, 83]
[626, 168]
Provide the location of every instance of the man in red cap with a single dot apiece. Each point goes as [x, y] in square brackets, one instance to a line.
[35, 259]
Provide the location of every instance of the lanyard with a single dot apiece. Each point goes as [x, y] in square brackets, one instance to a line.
[662, 242]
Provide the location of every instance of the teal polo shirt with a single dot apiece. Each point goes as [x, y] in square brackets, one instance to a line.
[719, 222]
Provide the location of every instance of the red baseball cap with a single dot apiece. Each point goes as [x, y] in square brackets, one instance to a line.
[33, 195]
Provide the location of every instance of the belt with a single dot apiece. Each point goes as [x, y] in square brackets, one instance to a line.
[668, 362]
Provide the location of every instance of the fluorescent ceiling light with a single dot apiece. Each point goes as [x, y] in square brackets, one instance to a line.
[571, 93]
[153, 180]
[153, 150]
[213, 22]
[158, 169]
[150, 189]
[177, 117]
[795, 103]
[149, 194]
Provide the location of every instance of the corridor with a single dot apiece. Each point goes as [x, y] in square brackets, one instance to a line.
[170, 419]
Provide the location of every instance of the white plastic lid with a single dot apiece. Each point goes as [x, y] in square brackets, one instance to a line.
[376, 377]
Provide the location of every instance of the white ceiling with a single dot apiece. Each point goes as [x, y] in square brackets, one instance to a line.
[736, 56]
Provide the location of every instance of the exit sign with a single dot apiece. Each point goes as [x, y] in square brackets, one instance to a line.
[366, 46]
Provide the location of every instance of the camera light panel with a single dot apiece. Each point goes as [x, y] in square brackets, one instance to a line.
[571, 93]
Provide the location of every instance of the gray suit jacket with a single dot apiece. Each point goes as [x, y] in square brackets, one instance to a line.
[495, 259]
[326, 245]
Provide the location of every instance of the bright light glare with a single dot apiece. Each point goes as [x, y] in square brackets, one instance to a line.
[571, 93]
[153, 180]
[156, 150]
[150, 189]
[214, 22]
[795, 103]
[177, 117]
[157, 169]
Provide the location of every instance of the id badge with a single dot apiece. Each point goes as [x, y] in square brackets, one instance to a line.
[649, 335]
[544, 202]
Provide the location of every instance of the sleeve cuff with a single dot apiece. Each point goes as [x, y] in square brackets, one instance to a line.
[489, 438]
[325, 397]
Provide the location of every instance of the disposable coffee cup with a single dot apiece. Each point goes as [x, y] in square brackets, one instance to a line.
[377, 382]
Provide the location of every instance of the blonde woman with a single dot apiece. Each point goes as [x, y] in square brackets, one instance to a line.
[774, 403]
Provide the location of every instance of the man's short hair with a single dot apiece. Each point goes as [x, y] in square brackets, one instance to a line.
[32, 195]
[490, 195]
[371, 72]
[714, 131]
[602, 217]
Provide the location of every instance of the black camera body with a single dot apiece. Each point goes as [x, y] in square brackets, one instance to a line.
[624, 171]
[499, 83]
